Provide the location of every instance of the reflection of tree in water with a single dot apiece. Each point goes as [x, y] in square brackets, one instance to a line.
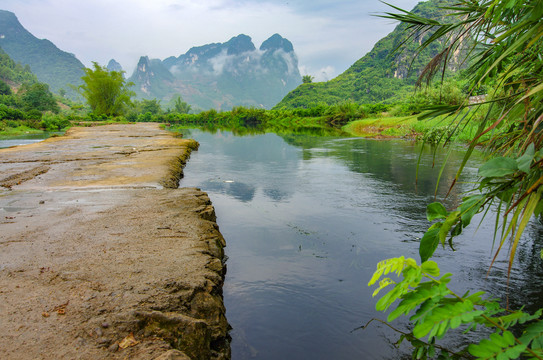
[288, 129]
[390, 162]
[389, 171]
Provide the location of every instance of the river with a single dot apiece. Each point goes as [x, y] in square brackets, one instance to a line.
[307, 218]
[9, 141]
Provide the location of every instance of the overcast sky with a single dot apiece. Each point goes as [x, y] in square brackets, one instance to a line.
[328, 36]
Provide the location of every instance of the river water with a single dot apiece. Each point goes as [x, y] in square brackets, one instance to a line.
[9, 141]
[307, 218]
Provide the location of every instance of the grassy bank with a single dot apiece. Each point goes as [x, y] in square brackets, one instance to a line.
[431, 130]
[383, 127]
[19, 130]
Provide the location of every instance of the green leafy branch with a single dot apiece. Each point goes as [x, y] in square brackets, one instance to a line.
[437, 309]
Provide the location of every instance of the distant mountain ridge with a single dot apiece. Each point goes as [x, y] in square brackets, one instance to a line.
[380, 74]
[113, 65]
[223, 75]
[50, 64]
[218, 75]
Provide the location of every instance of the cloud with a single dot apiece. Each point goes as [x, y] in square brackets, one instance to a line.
[323, 74]
[219, 62]
[289, 58]
[230, 63]
[324, 33]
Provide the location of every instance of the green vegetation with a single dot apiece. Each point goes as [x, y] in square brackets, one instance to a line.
[331, 118]
[438, 309]
[382, 75]
[14, 72]
[106, 92]
[500, 42]
[307, 79]
[49, 64]
[26, 105]
[179, 106]
[506, 58]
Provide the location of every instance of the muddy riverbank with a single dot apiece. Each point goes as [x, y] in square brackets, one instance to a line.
[101, 256]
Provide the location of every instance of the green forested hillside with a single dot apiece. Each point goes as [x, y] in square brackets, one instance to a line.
[25, 104]
[382, 75]
[14, 73]
[50, 64]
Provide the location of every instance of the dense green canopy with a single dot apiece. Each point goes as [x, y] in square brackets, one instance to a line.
[106, 92]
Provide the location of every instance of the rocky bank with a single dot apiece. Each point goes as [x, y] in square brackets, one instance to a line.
[102, 256]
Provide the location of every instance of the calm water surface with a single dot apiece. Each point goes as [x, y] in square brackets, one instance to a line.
[307, 218]
[9, 141]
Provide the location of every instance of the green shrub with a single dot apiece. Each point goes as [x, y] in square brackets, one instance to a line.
[52, 122]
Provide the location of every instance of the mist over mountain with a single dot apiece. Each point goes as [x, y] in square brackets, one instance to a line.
[381, 74]
[50, 64]
[223, 75]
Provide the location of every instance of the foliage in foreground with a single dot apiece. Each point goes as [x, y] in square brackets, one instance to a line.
[433, 307]
[505, 56]
[436, 309]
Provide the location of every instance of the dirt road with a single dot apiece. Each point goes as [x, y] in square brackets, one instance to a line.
[101, 256]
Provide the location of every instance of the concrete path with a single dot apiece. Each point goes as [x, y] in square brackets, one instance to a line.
[101, 256]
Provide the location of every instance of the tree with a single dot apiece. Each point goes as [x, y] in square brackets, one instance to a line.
[307, 79]
[4, 88]
[38, 97]
[150, 106]
[180, 106]
[106, 92]
[504, 43]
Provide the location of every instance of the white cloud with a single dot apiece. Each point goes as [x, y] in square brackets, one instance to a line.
[323, 74]
[219, 62]
[325, 33]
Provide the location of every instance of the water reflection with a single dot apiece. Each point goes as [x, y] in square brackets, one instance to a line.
[307, 218]
[237, 190]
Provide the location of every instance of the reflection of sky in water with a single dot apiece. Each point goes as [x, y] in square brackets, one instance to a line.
[305, 226]
[248, 171]
[237, 190]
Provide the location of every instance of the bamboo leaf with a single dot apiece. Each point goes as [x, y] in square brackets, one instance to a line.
[539, 208]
